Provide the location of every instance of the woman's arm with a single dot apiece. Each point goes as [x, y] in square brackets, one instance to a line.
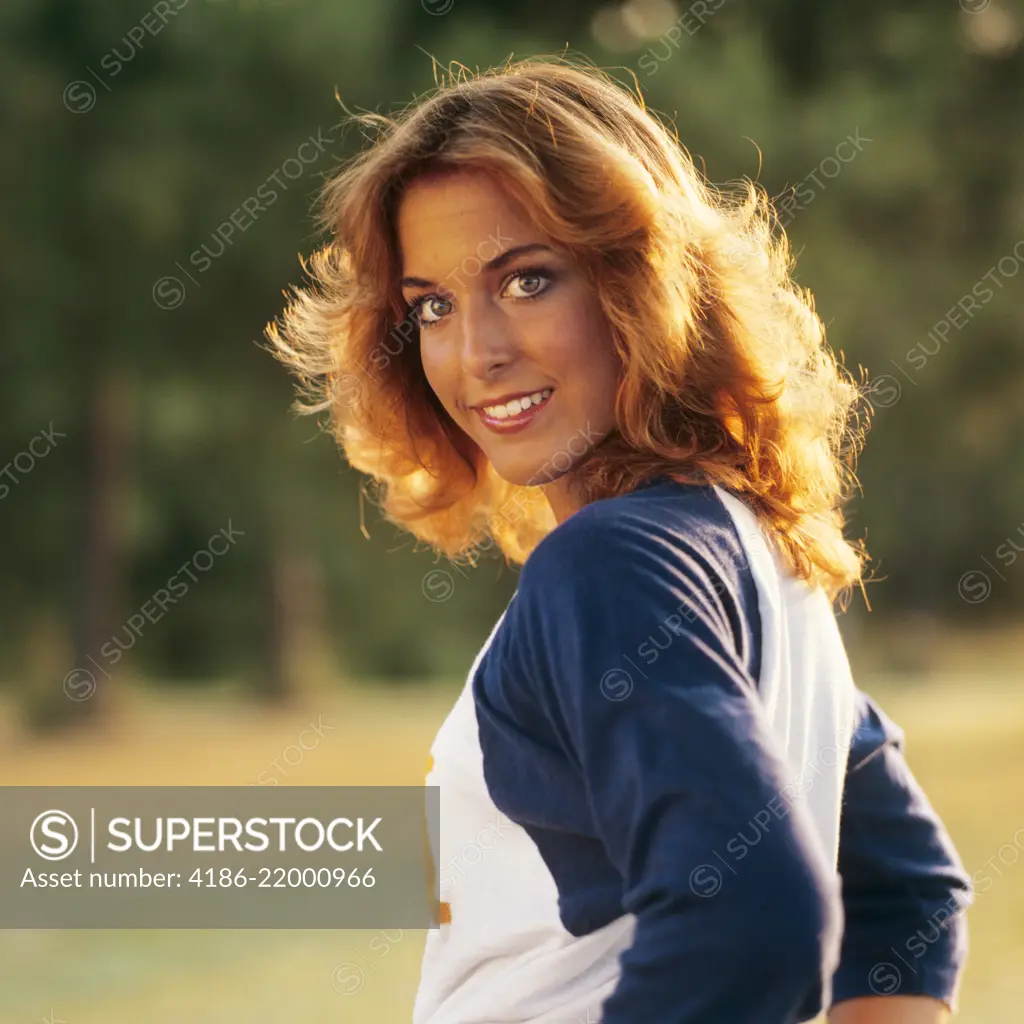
[904, 889]
[676, 757]
[889, 1010]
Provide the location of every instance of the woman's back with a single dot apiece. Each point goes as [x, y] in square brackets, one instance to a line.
[639, 612]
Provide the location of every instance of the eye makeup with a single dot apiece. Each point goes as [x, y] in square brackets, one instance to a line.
[542, 272]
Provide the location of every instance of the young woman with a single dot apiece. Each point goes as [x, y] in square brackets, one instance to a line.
[663, 800]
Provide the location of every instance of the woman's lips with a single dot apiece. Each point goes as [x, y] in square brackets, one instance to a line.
[513, 424]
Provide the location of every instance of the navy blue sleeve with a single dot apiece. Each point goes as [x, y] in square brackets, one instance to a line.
[903, 884]
[676, 758]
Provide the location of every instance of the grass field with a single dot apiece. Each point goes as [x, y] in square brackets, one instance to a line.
[965, 744]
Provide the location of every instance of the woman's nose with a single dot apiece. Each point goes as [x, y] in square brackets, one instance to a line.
[488, 344]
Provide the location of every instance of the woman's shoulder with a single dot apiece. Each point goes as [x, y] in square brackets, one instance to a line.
[666, 556]
[664, 526]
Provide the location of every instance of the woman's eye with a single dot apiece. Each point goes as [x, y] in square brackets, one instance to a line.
[426, 312]
[529, 283]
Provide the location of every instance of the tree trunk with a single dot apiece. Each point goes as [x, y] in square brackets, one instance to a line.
[85, 690]
[299, 661]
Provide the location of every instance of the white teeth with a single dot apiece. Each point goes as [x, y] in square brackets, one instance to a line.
[517, 405]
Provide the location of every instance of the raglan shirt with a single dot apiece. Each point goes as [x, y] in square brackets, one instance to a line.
[640, 762]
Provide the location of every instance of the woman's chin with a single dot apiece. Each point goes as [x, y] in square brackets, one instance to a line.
[517, 474]
[532, 473]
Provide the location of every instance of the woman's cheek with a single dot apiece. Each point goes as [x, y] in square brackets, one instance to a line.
[441, 374]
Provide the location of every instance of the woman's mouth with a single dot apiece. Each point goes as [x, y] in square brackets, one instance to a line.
[515, 415]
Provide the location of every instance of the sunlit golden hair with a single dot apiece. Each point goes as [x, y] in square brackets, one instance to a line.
[726, 376]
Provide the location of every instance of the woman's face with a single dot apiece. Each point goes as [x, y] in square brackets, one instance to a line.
[512, 337]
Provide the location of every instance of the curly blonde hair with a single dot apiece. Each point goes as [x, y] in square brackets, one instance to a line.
[726, 377]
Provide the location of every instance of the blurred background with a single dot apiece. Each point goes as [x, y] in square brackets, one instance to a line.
[193, 590]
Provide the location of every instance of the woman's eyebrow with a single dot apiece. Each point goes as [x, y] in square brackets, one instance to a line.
[499, 261]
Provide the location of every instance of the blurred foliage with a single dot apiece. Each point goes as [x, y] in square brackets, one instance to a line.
[133, 133]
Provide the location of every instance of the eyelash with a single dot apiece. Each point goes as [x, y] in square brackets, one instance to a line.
[414, 309]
